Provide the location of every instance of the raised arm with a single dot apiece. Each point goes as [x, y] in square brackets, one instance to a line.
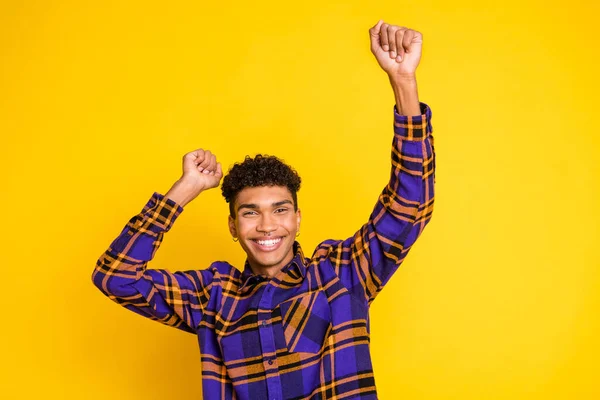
[366, 261]
[175, 299]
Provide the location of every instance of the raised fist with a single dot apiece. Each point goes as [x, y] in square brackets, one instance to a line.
[201, 169]
[396, 48]
[201, 172]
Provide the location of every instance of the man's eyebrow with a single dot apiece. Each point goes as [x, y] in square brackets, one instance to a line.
[255, 206]
[280, 203]
[252, 206]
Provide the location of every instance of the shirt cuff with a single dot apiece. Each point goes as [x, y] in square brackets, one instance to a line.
[416, 127]
[159, 215]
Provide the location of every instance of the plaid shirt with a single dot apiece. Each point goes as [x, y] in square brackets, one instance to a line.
[303, 333]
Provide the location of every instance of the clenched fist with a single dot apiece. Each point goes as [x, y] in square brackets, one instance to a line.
[396, 48]
[201, 172]
[201, 167]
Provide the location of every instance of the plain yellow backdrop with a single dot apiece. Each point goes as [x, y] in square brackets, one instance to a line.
[499, 298]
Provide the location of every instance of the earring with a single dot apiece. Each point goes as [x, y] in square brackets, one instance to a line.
[297, 233]
[235, 239]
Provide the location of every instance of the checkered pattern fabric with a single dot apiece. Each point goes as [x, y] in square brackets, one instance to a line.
[303, 334]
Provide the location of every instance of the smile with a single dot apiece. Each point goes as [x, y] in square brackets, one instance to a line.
[267, 244]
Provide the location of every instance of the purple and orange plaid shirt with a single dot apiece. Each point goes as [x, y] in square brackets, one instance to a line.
[303, 334]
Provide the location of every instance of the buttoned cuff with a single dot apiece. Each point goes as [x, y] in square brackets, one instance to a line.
[158, 215]
[416, 127]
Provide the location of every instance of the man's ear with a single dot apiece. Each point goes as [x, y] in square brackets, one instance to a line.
[298, 218]
[232, 228]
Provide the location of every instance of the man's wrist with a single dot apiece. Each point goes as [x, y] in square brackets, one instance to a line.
[403, 79]
[182, 192]
[406, 94]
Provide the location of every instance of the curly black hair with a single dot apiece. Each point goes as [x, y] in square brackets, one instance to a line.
[262, 170]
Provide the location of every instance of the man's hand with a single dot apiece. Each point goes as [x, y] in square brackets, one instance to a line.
[397, 49]
[201, 172]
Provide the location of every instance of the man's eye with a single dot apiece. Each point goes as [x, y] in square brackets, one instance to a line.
[249, 213]
[280, 210]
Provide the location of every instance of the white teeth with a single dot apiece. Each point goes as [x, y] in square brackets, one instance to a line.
[270, 242]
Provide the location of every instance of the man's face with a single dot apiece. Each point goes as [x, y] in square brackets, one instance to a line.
[266, 225]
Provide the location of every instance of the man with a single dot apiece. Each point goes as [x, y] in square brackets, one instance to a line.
[287, 327]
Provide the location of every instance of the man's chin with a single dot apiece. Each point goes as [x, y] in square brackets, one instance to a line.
[270, 260]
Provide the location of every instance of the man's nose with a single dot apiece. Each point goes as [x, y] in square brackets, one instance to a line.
[267, 224]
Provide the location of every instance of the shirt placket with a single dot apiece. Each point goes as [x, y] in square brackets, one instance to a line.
[267, 342]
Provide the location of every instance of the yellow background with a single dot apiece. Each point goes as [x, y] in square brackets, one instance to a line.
[500, 297]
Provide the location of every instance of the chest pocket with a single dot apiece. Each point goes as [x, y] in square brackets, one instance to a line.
[305, 321]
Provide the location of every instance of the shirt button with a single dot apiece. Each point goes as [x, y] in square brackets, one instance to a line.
[264, 323]
[270, 362]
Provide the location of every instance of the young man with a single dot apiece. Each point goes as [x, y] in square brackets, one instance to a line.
[287, 327]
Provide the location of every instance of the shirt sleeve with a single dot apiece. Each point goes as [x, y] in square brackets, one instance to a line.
[366, 261]
[175, 299]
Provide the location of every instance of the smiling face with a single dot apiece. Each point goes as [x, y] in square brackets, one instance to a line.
[266, 225]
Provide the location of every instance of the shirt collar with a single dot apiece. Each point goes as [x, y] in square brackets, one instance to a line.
[297, 264]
